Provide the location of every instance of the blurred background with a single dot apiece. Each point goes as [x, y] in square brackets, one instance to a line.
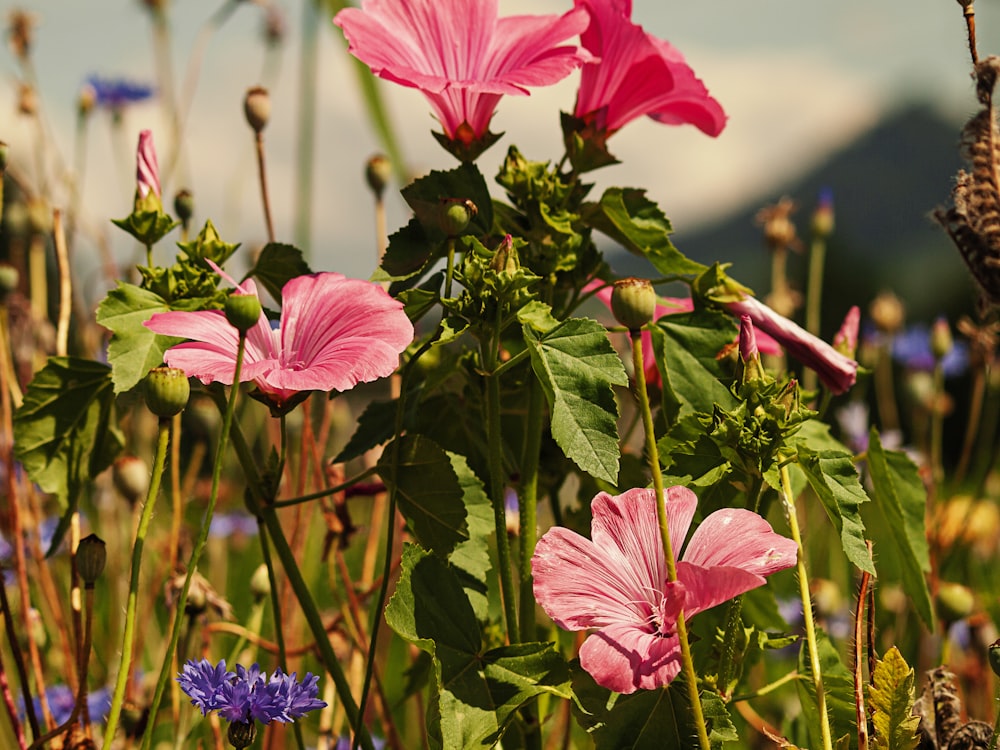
[865, 99]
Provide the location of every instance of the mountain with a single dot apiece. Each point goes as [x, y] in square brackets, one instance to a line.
[884, 184]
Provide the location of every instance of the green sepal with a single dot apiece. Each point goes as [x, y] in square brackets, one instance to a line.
[207, 246]
[147, 222]
[467, 152]
[586, 144]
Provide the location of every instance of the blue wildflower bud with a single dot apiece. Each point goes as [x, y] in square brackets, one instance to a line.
[167, 391]
[242, 311]
[91, 556]
[633, 302]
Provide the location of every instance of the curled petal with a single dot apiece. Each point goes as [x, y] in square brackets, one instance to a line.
[625, 658]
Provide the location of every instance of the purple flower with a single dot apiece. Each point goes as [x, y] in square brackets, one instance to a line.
[912, 349]
[247, 694]
[115, 93]
[225, 525]
[61, 701]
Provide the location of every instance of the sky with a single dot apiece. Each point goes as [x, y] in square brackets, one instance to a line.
[797, 80]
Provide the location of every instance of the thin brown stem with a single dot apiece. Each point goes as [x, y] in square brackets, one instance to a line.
[65, 284]
[263, 186]
[970, 24]
[861, 715]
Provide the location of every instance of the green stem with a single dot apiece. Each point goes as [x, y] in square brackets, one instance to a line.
[450, 270]
[128, 637]
[528, 505]
[807, 612]
[495, 458]
[768, 688]
[937, 427]
[687, 663]
[345, 485]
[199, 546]
[814, 299]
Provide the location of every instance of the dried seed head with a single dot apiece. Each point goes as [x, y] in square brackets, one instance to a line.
[257, 107]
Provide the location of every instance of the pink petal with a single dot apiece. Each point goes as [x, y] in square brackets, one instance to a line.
[147, 172]
[580, 585]
[708, 587]
[737, 538]
[625, 658]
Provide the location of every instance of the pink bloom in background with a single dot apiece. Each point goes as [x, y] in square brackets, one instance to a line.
[638, 74]
[147, 171]
[461, 55]
[616, 582]
[845, 340]
[837, 371]
[334, 333]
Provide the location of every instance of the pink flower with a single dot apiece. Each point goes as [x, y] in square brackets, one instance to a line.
[748, 340]
[147, 171]
[616, 582]
[837, 371]
[845, 340]
[334, 333]
[460, 55]
[638, 74]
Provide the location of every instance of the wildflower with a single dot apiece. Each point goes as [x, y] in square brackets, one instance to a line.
[114, 94]
[334, 333]
[845, 340]
[147, 222]
[247, 695]
[912, 349]
[462, 56]
[61, 700]
[616, 582]
[637, 74]
[836, 371]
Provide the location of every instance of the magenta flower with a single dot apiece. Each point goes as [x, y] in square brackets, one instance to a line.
[616, 582]
[845, 340]
[460, 55]
[334, 333]
[147, 171]
[837, 371]
[637, 74]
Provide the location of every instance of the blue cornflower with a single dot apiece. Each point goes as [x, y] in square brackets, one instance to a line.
[225, 525]
[61, 700]
[115, 93]
[247, 694]
[912, 349]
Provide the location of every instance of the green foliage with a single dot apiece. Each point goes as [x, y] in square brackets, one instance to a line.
[900, 495]
[276, 265]
[471, 558]
[891, 701]
[627, 216]
[134, 349]
[834, 478]
[147, 222]
[465, 182]
[429, 493]
[374, 427]
[408, 253]
[208, 245]
[577, 367]
[65, 432]
[838, 686]
[477, 691]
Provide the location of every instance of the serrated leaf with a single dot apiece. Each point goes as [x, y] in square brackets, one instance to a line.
[428, 492]
[464, 182]
[471, 558]
[838, 687]
[834, 479]
[538, 315]
[134, 349]
[64, 431]
[478, 692]
[577, 367]
[375, 426]
[276, 265]
[408, 253]
[891, 700]
[627, 216]
[686, 347]
[900, 495]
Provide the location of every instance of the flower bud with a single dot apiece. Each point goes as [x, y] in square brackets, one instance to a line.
[241, 735]
[242, 311]
[506, 258]
[845, 340]
[27, 100]
[86, 100]
[131, 478]
[633, 302]
[260, 583]
[91, 555]
[147, 170]
[167, 391]
[822, 218]
[378, 170]
[455, 215]
[9, 279]
[954, 602]
[749, 353]
[257, 107]
[887, 312]
[941, 340]
[184, 205]
[994, 656]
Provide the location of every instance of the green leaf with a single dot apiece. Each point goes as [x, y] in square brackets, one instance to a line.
[428, 491]
[686, 348]
[477, 692]
[376, 425]
[538, 315]
[628, 217]
[900, 495]
[64, 431]
[577, 367]
[471, 558]
[424, 196]
[891, 699]
[838, 687]
[276, 265]
[408, 252]
[834, 479]
[134, 349]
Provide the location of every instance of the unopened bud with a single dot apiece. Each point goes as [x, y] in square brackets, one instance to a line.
[845, 340]
[184, 205]
[86, 100]
[242, 311]
[749, 353]
[887, 312]
[633, 302]
[167, 391]
[822, 218]
[241, 735]
[954, 602]
[260, 583]
[257, 107]
[941, 340]
[9, 279]
[27, 100]
[455, 215]
[506, 258]
[131, 477]
[91, 556]
[378, 170]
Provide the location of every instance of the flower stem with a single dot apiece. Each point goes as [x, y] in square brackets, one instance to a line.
[199, 547]
[163, 440]
[937, 426]
[690, 676]
[807, 612]
[262, 174]
[528, 505]
[814, 299]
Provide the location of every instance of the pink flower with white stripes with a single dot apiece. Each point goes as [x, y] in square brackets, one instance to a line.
[147, 171]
